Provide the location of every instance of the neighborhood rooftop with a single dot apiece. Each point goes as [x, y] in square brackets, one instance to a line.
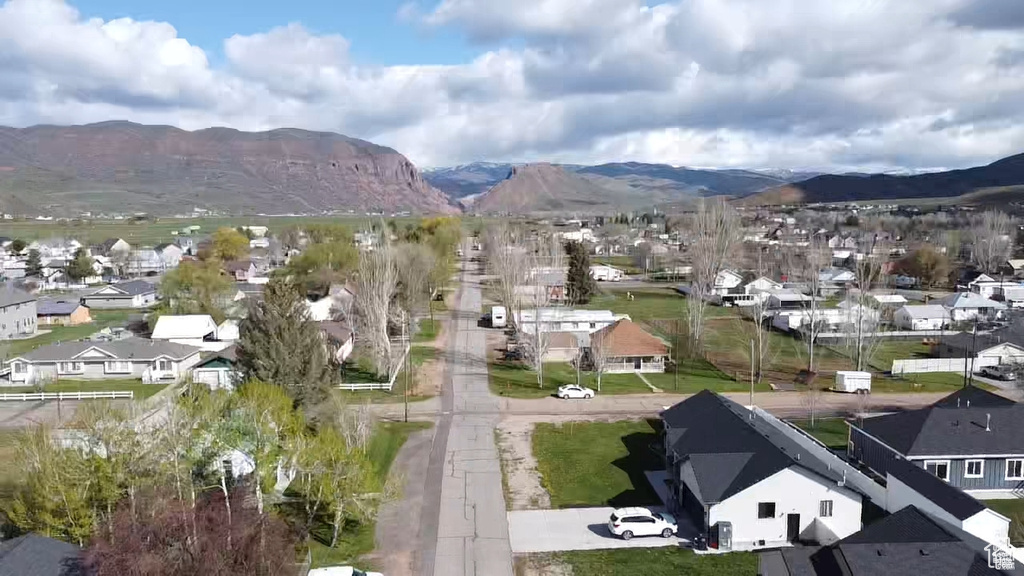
[126, 349]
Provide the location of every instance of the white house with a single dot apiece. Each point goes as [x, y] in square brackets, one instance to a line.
[566, 320]
[964, 306]
[605, 273]
[217, 371]
[921, 317]
[726, 281]
[170, 255]
[889, 300]
[761, 284]
[150, 360]
[197, 330]
[836, 276]
[729, 470]
[132, 294]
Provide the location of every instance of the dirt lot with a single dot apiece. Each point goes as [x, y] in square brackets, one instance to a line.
[540, 565]
[430, 374]
[523, 488]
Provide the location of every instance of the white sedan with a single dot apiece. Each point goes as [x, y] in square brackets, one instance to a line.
[574, 391]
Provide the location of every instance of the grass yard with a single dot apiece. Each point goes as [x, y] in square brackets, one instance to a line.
[428, 330]
[141, 390]
[697, 375]
[357, 539]
[654, 562]
[927, 382]
[597, 463]
[653, 307]
[359, 368]
[831, 432]
[101, 319]
[516, 380]
[1012, 508]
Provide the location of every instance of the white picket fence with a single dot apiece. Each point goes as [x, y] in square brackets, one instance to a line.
[40, 396]
[922, 365]
[366, 386]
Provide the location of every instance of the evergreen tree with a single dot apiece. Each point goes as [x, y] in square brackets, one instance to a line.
[579, 285]
[81, 266]
[279, 344]
[34, 265]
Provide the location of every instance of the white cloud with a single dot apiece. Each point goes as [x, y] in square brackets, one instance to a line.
[791, 83]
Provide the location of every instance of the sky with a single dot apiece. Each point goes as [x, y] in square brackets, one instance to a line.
[867, 85]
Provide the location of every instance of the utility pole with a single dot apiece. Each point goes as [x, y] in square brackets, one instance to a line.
[751, 371]
[408, 350]
[675, 349]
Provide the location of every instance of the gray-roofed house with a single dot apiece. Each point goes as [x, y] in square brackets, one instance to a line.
[964, 306]
[149, 360]
[131, 294]
[17, 313]
[731, 471]
[906, 542]
[972, 439]
[56, 312]
[921, 317]
[36, 555]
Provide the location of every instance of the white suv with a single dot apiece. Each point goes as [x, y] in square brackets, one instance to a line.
[629, 522]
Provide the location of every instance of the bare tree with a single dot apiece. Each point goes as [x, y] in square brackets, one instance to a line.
[506, 261]
[758, 345]
[376, 286]
[546, 258]
[806, 264]
[716, 232]
[599, 358]
[811, 400]
[991, 236]
[863, 320]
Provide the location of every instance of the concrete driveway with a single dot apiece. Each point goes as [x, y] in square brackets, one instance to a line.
[575, 529]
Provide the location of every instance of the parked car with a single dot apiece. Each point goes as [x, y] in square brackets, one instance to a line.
[628, 522]
[573, 391]
[341, 571]
[1000, 372]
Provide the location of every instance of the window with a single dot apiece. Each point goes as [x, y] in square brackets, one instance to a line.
[765, 510]
[117, 367]
[825, 509]
[1015, 469]
[593, 325]
[974, 469]
[69, 368]
[940, 468]
[163, 365]
[20, 368]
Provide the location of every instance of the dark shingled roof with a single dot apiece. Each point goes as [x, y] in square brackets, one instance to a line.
[132, 288]
[10, 296]
[37, 555]
[949, 498]
[955, 425]
[48, 307]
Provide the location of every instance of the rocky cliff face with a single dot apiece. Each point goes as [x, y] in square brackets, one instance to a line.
[120, 166]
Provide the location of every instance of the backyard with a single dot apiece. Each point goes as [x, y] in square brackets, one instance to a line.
[598, 463]
[669, 561]
[831, 432]
[101, 319]
[1012, 508]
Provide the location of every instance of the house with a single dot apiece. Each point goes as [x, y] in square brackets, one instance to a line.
[761, 284]
[339, 339]
[37, 555]
[964, 306]
[145, 262]
[985, 349]
[197, 330]
[908, 541]
[565, 320]
[972, 439]
[836, 276]
[131, 294]
[1016, 266]
[218, 371]
[112, 246]
[61, 312]
[170, 254]
[921, 317]
[150, 360]
[628, 348]
[241, 270]
[562, 347]
[17, 313]
[726, 281]
[605, 273]
[891, 301]
[732, 472]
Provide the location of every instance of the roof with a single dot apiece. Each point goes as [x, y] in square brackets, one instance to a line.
[49, 307]
[126, 349]
[130, 288]
[250, 287]
[184, 326]
[950, 498]
[226, 357]
[11, 296]
[625, 338]
[107, 244]
[955, 425]
[37, 555]
[969, 300]
[237, 265]
[726, 448]
[925, 311]
[889, 299]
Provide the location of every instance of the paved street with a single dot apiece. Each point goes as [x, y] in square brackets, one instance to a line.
[469, 530]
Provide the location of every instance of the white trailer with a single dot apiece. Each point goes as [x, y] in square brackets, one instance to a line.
[853, 381]
[499, 317]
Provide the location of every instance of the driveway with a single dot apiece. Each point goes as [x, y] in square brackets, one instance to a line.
[576, 529]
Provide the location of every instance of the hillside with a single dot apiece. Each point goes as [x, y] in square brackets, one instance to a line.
[687, 180]
[545, 188]
[468, 179]
[1003, 173]
[125, 167]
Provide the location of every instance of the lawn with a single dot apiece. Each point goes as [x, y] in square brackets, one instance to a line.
[101, 319]
[1012, 508]
[653, 307]
[926, 382]
[359, 368]
[697, 375]
[428, 330]
[516, 380]
[66, 385]
[831, 432]
[357, 539]
[624, 263]
[598, 463]
[667, 561]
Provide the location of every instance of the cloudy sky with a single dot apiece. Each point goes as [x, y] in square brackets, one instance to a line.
[806, 84]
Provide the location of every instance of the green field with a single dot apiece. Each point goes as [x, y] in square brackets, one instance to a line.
[140, 390]
[516, 380]
[831, 432]
[669, 561]
[357, 539]
[597, 463]
[101, 319]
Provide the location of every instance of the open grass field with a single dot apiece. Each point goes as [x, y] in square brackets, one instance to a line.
[358, 538]
[651, 562]
[140, 390]
[597, 463]
[516, 380]
[831, 432]
[101, 319]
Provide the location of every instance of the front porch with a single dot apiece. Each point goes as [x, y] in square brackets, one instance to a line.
[626, 364]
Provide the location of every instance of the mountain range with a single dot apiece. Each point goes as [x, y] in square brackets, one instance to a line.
[125, 167]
